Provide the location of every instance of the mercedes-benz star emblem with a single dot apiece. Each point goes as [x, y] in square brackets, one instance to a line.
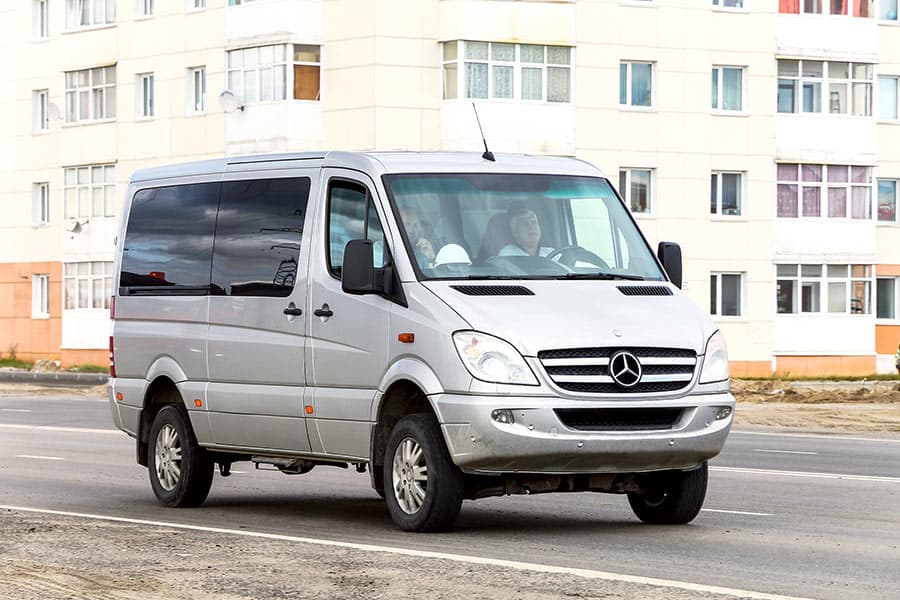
[625, 369]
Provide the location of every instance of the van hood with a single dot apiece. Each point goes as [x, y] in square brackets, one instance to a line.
[579, 314]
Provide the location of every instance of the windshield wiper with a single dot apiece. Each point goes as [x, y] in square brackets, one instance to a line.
[507, 277]
[601, 276]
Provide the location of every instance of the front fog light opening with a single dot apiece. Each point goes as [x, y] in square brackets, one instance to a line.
[503, 415]
[723, 412]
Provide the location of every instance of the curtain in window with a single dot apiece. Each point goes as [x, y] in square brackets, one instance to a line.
[839, 7]
[532, 84]
[476, 80]
[558, 84]
[503, 82]
[837, 202]
[731, 89]
[306, 82]
[789, 6]
[862, 8]
[787, 200]
[859, 203]
[640, 84]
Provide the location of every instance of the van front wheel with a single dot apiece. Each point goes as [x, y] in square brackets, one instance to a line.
[181, 472]
[671, 497]
[423, 488]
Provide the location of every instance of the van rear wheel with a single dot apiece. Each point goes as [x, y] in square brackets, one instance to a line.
[423, 488]
[671, 497]
[181, 472]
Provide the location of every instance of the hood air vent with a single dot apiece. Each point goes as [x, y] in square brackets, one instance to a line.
[493, 290]
[645, 290]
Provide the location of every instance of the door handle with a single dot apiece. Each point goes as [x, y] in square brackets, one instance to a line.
[294, 311]
[323, 312]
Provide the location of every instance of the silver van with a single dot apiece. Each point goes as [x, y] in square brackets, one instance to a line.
[458, 326]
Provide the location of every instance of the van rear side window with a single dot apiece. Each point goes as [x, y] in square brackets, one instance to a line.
[258, 236]
[169, 241]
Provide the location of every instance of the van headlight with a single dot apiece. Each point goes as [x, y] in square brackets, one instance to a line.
[491, 359]
[715, 360]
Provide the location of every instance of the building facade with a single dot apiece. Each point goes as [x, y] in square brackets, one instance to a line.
[763, 135]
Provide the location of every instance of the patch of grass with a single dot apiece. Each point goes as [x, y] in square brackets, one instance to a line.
[789, 377]
[88, 369]
[15, 363]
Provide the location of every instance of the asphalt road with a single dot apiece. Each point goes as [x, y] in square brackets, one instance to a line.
[799, 515]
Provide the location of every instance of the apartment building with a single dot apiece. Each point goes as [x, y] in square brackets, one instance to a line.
[760, 134]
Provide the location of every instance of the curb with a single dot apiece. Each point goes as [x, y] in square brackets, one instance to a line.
[55, 378]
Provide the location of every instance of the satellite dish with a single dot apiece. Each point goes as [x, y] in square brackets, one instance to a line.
[53, 112]
[228, 102]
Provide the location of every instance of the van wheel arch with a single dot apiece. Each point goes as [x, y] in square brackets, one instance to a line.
[160, 393]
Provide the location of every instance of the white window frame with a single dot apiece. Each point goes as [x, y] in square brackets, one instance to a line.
[81, 281]
[87, 85]
[40, 204]
[729, 5]
[40, 110]
[517, 64]
[719, 98]
[629, 101]
[824, 185]
[826, 82]
[896, 81]
[84, 14]
[236, 69]
[196, 86]
[145, 85]
[40, 296]
[824, 280]
[877, 196]
[143, 9]
[717, 279]
[896, 305]
[41, 19]
[81, 187]
[626, 192]
[716, 194]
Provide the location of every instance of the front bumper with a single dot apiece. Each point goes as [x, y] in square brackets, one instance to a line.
[539, 442]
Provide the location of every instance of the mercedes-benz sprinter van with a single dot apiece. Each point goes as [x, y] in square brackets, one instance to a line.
[458, 326]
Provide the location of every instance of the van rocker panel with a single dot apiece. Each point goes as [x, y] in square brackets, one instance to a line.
[538, 442]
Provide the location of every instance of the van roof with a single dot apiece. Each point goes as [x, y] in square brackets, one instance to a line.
[377, 163]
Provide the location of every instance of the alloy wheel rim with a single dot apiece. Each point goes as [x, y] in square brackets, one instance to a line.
[410, 476]
[168, 458]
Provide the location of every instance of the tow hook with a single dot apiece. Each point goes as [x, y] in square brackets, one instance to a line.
[225, 469]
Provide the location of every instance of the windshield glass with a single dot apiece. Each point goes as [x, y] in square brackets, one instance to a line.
[483, 226]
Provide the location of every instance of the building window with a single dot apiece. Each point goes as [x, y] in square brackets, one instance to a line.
[87, 285]
[726, 193]
[40, 100]
[725, 291]
[40, 296]
[90, 191]
[144, 8]
[636, 83]
[89, 13]
[197, 89]
[805, 86]
[886, 298]
[823, 288]
[635, 186]
[196, 4]
[887, 200]
[727, 88]
[40, 203]
[507, 71]
[856, 8]
[261, 74]
[887, 10]
[887, 98]
[729, 3]
[41, 18]
[239, 2]
[91, 94]
[145, 95]
[803, 188]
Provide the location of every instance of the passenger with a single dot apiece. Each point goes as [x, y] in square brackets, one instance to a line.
[897, 359]
[526, 233]
[422, 247]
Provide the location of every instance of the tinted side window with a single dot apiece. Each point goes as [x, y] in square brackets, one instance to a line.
[258, 236]
[169, 242]
[352, 216]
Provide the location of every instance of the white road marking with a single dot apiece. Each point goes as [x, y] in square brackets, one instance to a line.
[784, 451]
[461, 558]
[807, 474]
[736, 512]
[62, 429]
[38, 457]
[16, 410]
[819, 436]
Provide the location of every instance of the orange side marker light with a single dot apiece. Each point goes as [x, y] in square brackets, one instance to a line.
[198, 403]
[308, 409]
[406, 338]
[119, 396]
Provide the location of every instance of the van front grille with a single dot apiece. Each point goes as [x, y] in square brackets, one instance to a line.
[587, 370]
[618, 419]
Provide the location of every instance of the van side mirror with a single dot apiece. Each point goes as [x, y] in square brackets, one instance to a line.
[669, 254]
[358, 273]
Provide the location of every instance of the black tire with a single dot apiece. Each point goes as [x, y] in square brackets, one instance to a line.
[672, 497]
[439, 496]
[191, 484]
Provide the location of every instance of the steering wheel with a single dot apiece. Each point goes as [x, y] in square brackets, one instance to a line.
[568, 255]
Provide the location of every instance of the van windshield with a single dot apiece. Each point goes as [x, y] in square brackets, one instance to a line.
[518, 226]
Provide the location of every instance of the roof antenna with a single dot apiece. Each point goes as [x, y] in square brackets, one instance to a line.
[488, 155]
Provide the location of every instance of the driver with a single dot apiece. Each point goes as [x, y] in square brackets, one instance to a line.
[415, 229]
[526, 233]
